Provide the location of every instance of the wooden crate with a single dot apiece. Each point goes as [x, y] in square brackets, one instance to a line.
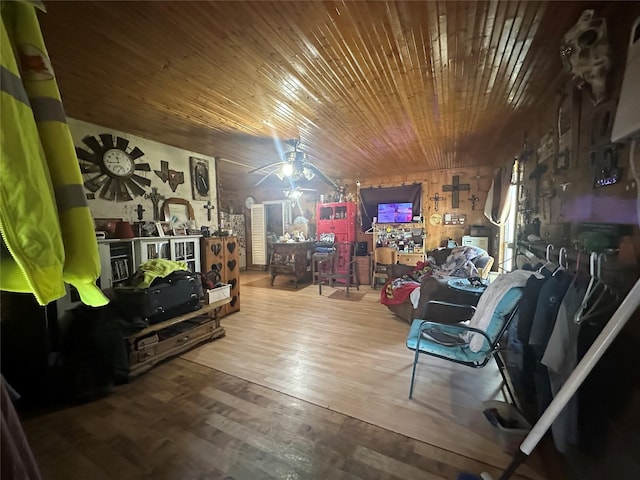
[363, 263]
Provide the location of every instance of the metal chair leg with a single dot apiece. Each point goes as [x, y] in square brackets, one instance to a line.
[413, 373]
[501, 368]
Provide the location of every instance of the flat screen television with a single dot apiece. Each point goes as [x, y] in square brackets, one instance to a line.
[395, 212]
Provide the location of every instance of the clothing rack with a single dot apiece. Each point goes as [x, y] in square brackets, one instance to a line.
[608, 269]
[626, 309]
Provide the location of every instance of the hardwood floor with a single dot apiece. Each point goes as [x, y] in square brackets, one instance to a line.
[302, 386]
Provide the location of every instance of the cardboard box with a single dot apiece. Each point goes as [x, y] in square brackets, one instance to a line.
[217, 294]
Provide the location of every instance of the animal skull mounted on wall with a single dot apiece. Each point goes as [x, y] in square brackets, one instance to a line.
[585, 54]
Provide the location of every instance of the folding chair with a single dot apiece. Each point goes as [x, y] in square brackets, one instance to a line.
[462, 343]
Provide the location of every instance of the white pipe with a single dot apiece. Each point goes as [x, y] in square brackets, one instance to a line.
[590, 359]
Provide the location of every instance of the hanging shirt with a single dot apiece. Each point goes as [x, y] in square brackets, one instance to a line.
[561, 357]
[549, 301]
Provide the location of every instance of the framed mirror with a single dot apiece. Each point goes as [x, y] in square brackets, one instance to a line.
[177, 210]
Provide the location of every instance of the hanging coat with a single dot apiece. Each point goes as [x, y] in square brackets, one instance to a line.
[47, 230]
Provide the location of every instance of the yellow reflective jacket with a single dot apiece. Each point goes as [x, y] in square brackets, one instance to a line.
[47, 230]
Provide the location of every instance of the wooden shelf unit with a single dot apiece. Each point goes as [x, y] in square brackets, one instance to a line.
[401, 236]
[165, 339]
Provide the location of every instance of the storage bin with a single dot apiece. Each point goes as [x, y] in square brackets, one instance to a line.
[219, 293]
[509, 424]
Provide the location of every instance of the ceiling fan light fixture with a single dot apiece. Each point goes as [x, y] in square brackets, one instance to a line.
[308, 173]
[293, 194]
[295, 156]
[287, 169]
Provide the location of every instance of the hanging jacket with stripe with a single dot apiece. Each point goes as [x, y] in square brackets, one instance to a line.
[47, 230]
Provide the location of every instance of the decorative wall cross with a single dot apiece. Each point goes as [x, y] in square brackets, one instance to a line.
[436, 198]
[139, 211]
[473, 201]
[455, 188]
[155, 198]
[209, 207]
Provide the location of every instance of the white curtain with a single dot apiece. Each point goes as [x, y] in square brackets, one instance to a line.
[498, 204]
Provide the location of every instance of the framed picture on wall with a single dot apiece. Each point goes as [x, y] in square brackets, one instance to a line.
[199, 178]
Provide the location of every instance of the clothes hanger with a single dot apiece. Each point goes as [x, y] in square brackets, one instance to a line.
[607, 292]
[562, 265]
[590, 287]
[548, 263]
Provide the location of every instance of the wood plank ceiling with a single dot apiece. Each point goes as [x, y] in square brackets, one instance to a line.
[366, 86]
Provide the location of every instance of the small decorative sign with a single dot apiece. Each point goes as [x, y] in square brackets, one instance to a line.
[454, 218]
[546, 147]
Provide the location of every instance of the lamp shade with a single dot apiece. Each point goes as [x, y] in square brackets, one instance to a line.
[124, 230]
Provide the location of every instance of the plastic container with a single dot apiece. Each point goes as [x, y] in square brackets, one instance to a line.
[219, 293]
[509, 424]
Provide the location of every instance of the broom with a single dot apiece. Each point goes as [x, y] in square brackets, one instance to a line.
[584, 367]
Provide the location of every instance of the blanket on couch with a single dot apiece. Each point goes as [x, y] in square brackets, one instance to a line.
[457, 264]
[397, 290]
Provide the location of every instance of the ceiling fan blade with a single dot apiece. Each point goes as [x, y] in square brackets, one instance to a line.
[134, 187]
[142, 180]
[107, 140]
[122, 143]
[92, 143]
[136, 153]
[264, 178]
[82, 154]
[143, 166]
[322, 175]
[264, 167]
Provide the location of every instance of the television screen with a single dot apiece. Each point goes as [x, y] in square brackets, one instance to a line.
[395, 212]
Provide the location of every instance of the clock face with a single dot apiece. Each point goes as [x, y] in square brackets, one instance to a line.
[111, 168]
[117, 162]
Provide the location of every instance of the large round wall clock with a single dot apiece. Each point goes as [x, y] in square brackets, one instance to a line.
[110, 167]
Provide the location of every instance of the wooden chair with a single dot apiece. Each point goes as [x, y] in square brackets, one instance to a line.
[320, 263]
[342, 268]
[462, 343]
[382, 258]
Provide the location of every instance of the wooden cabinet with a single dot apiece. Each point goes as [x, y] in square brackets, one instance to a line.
[179, 248]
[174, 336]
[338, 218]
[291, 259]
[224, 252]
[363, 264]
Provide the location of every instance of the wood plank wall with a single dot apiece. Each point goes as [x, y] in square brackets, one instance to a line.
[479, 180]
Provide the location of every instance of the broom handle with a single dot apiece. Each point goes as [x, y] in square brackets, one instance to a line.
[593, 355]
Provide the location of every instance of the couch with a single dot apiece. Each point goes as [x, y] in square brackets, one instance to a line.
[432, 277]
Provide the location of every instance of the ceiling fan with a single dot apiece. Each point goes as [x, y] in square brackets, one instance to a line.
[295, 167]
